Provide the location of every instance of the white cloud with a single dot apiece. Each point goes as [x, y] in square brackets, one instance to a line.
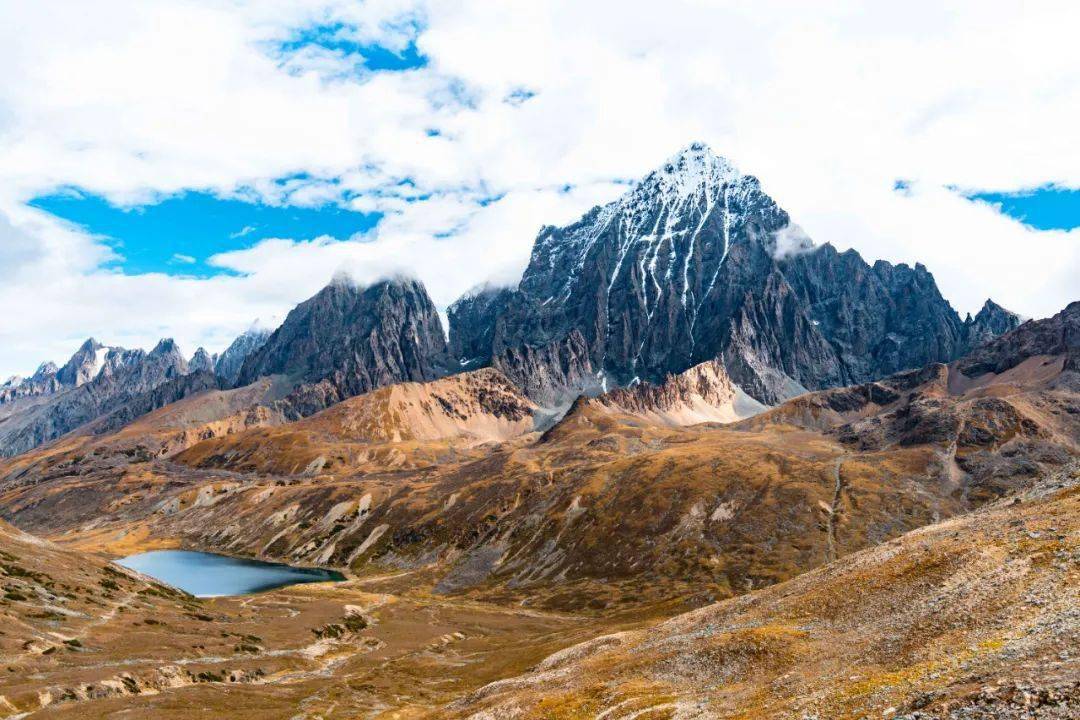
[828, 103]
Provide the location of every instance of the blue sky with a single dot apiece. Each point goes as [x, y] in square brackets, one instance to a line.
[341, 38]
[1044, 208]
[179, 234]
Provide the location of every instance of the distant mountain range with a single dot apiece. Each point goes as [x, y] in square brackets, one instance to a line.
[694, 264]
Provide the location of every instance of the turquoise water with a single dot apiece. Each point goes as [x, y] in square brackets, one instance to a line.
[208, 575]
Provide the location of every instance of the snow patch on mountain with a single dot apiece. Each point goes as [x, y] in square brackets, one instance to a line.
[98, 363]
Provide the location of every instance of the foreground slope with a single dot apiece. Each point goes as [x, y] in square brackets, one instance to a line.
[83, 638]
[76, 627]
[974, 617]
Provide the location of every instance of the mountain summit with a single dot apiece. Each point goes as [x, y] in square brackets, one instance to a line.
[696, 262]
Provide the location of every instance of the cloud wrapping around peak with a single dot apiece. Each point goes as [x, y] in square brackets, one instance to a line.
[520, 115]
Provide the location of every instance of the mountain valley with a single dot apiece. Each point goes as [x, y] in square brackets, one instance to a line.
[692, 465]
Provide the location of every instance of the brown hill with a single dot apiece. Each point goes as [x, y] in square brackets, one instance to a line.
[607, 508]
[404, 425]
[975, 617]
[704, 393]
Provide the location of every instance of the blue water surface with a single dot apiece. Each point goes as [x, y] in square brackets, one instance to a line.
[208, 575]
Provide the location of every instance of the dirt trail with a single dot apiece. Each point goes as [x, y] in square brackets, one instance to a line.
[833, 511]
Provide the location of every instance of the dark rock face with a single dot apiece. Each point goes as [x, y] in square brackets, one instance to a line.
[551, 373]
[353, 340]
[652, 279]
[990, 322]
[879, 319]
[1057, 335]
[697, 262]
[772, 350]
[170, 391]
[472, 323]
[123, 376]
[228, 363]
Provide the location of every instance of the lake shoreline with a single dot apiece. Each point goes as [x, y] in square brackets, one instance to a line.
[208, 575]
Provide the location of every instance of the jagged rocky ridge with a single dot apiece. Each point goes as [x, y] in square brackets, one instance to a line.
[42, 382]
[83, 366]
[201, 361]
[227, 365]
[1056, 335]
[123, 378]
[122, 386]
[348, 339]
[342, 342]
[696, 262]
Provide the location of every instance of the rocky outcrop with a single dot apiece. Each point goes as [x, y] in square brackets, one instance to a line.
[227, 365]
[1057, 335]
[477, 406]
[990, 322]
[551, 374]
[704, 393]
[1026, 423]
[698, 262]
[348, 340]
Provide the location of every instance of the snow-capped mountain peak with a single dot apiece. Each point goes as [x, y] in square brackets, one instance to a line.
[688, 173]
[674, 228]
